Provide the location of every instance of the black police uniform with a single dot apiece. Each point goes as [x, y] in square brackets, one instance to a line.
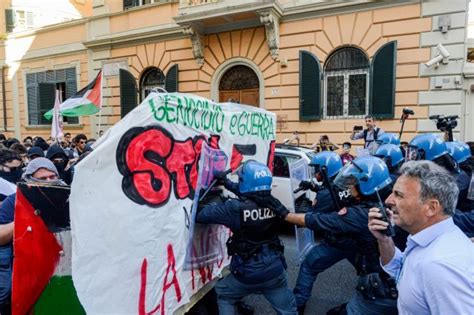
[376, 291]
[258, 264]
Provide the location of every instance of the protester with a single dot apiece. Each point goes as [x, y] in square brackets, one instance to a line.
[40, 170]
[57, 155]
[324, 145]
[80, 144]
[35, 152]
[11, 165]
[67, 138]
[22, 152]
[434, 273]
[346, 155]
[370, 134]
[258, 264]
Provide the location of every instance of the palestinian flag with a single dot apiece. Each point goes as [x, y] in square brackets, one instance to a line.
[42, 282]
[87, 101]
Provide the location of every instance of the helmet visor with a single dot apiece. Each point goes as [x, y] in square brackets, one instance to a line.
[350, 175]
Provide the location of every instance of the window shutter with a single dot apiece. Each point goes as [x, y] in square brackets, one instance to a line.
[128, 92]
[127, 4]
[171, 81]
[71, 89]
[46, 96]
[10, 19]
[382, 87]
[32, 99]
[310, 86]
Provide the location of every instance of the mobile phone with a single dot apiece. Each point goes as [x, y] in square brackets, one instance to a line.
[390, 231]
[358, 127]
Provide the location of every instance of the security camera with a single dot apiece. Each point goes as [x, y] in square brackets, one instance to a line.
[442, 57]
[442, 51]
[435, 61]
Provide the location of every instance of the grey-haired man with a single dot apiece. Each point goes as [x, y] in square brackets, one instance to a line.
[435, 272]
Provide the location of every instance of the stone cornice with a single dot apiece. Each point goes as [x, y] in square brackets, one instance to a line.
[154, 33]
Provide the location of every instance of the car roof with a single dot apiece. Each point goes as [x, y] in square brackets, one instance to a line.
[298, 150]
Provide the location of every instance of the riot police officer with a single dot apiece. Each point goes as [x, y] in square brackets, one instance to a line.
[388, 138]
[325, 166]
[432, 148]
[366, 177]
[393, 157]
[462, 154]
[258, 264]
[333, 247]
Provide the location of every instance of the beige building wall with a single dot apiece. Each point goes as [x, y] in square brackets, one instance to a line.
[147, 36]
[367, 30]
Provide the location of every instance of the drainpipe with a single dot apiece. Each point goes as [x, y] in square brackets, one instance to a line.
[4, 100]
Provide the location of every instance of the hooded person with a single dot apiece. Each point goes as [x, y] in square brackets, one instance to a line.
[11, 165]
[60, 159]
[39, 171]
[40, 142]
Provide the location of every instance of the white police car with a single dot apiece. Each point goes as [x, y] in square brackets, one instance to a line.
[281, 186]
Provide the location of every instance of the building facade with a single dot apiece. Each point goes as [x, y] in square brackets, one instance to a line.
[319, 65]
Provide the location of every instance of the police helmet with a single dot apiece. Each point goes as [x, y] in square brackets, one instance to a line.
[391, 154]
[369, 173]
[388, 138]
[254, 176]
[460, 151]
[328, 159]
[426, 147]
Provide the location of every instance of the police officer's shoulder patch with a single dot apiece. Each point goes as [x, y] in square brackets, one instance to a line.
[343, 211]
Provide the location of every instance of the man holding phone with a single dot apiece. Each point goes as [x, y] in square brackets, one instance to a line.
[434, 273]
[370, 134]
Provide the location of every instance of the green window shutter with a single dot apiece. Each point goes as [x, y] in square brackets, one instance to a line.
[171, 81]
[9, 20]
[128, 92]
[310, 86]
[383, 76]
[46, 97]
[127, 4]
[71, 89]
[32, 99]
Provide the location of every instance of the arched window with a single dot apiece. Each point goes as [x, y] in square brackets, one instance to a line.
[346, 81]
[151, 78]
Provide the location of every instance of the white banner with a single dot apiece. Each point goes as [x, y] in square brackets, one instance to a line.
[132, 197]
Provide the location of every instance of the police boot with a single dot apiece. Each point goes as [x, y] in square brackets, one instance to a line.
[338, 310]
[301, 309]
[244, 308]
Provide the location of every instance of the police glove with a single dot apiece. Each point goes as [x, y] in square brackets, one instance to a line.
[220, 176]
[304, 184]
[277, 207]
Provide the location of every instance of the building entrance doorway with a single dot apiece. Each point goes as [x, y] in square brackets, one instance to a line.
[240, 84]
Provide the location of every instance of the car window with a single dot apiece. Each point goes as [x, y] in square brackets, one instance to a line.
[281, 164]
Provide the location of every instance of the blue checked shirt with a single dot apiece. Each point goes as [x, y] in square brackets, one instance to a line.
[435, 274]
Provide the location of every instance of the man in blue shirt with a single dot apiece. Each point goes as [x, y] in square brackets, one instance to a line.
[435, 272]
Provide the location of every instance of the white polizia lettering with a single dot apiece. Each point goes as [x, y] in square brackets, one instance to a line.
[258, 214]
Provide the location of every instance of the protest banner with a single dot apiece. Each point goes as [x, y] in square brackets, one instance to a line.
[132, 198]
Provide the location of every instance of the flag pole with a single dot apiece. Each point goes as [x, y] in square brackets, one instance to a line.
[100, 110]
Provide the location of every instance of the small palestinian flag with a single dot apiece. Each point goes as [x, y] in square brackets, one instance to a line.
[87, 101]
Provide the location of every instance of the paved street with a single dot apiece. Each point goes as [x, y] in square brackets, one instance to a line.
[333, 287]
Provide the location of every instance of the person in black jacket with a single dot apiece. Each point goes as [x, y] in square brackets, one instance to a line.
[258, 264]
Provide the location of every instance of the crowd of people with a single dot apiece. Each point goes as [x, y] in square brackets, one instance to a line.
[401, 214]
[423, 264]
[37, 161]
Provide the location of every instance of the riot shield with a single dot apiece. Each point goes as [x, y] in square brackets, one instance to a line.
[207, 242]
[299, 171]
